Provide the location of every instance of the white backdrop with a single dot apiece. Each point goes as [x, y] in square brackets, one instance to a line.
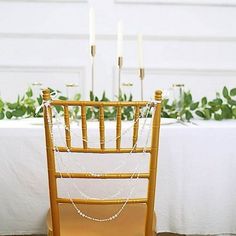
[47, 41]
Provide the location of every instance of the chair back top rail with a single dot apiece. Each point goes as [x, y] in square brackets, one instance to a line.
[98, 104]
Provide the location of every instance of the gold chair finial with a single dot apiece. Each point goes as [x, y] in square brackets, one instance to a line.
[46, 94]
[158, 95]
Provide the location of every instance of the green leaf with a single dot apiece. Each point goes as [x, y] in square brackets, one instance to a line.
[187, 99]
[204, 101]
[226, 112]
[91, 95]
[173, 115]
[62, 98]
[231, 102]
[2, 115]
[217, 101]
[1, 103]
[103, 96]
[29, 101]
[207, 113]
[88, 114]
[234, 112]
[233, 92]
[200, 114]
[225, 92]
[18, 113]
[130, 97]
[29, 93]
[40, 100]
[212, 104]
[58, 109]
[23, 98]
[164, 114]
[218, 116]
[12, 106]
[188, 115]
[77, 96]
[8, 115]
[194, 106]
[18, 99]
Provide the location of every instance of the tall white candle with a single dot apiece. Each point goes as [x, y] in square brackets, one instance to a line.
[140, 51]
[120, 39]
[91, 26]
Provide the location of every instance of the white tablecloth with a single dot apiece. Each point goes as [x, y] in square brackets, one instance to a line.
[196, 187]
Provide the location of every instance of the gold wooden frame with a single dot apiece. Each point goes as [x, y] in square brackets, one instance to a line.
[53, 175]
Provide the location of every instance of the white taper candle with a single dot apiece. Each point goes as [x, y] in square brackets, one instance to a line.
[140, 51]
[120, 39]
[91, 26]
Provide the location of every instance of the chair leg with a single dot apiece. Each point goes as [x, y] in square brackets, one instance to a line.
[50, 233]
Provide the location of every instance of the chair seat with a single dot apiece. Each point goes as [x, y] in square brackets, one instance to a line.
[131, 221]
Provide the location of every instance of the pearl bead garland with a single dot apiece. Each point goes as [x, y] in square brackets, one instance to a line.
[47, 104]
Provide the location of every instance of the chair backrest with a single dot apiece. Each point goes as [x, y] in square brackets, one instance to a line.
[53, 175]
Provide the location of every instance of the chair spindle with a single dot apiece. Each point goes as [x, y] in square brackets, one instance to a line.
[118, 127]
[102, 127]
[136, 125]
[67, 126]
[84, 127]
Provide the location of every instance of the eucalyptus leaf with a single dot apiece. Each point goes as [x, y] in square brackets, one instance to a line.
[173, 115]
[18, 113]
[204, 101]
[40, 100]
[12, 106]
[233, 92]
[29, 101]
[225, 92]
[218, 116]
[200, 114]
[231, 102]
[88, 114]
[59, 109]
[62, 98]
[207, 113]
[218, 101]
[91, 96]
[8, 115]
[234, 112]
[2, 115]
[187, 99]
[29, 92]
[226, 112]
[188, 115]
[130, 97]
[1, 103]
[194, 106]
[77, 96]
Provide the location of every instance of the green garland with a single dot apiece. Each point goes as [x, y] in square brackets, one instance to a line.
[221, 107]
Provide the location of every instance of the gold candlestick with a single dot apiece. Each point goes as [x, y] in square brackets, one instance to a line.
[93, 52]
[120, 64]
[141, 76]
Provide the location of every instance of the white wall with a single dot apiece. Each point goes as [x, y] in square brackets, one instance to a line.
[47, 41]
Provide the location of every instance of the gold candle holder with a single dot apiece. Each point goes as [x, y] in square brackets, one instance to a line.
[93, 53]
[141, 76]
[120, 64]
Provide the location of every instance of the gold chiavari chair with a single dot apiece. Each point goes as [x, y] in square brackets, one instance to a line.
[138, 217]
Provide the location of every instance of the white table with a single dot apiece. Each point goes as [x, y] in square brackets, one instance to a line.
[196, 190]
